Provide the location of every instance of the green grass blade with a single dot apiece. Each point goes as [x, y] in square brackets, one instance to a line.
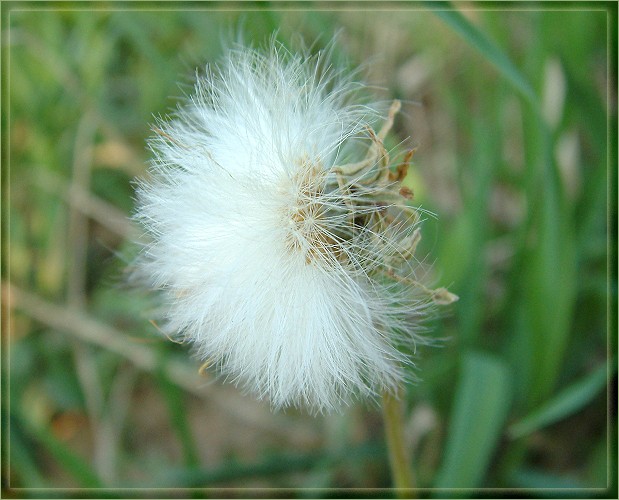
[528, 478]
[274, 465]
[482, 402]
[567, 402]
[179, 421]
[487, 47]
[20, 459]
[74, 464]
[549, 267]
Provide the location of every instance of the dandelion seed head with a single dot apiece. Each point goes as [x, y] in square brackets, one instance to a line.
[279, 235]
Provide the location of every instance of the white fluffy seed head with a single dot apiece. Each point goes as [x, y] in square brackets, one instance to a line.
[279, 236]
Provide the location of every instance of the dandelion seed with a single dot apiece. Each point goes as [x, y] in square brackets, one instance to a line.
[280, 237]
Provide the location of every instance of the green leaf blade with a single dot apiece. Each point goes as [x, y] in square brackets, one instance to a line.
[487, 47]
[482, 401]
[564, 404]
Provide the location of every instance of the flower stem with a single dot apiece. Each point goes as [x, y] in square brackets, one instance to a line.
[399, 459]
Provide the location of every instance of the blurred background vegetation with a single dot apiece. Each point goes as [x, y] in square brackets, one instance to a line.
[512, 112]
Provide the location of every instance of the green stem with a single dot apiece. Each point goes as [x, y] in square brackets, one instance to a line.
[399, 459]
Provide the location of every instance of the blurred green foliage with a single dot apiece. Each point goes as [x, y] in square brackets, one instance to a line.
[514, 113]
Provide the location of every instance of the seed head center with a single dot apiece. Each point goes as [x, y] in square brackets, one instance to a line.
[309, 228]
